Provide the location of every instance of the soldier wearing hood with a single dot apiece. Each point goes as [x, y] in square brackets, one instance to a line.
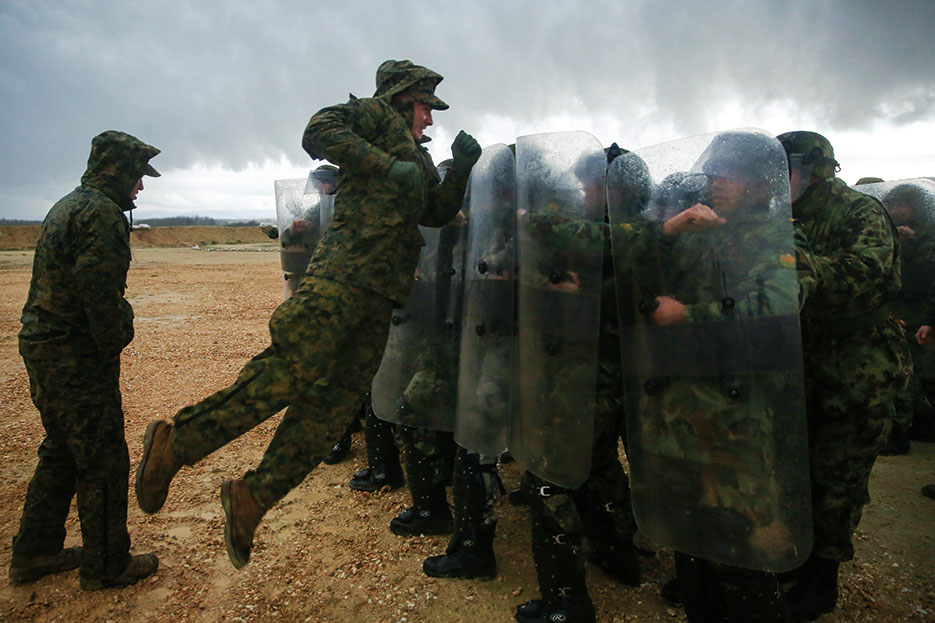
[326, 339]
[76, 322]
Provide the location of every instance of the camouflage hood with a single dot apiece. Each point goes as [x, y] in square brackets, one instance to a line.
[394, 77]
[116, 162]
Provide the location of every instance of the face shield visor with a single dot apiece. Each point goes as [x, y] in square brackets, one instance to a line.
[801, 167]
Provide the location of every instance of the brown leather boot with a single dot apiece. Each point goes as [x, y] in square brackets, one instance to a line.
[31, 569]
[243, 514]
[139, 567]
[156, 468]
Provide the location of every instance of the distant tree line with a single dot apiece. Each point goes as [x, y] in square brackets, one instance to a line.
[169, 221]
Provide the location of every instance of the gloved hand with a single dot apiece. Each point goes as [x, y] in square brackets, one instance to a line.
[406, 174]
[465, 151]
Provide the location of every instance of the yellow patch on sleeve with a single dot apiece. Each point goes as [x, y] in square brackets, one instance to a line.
[787, 260]
[626, 226]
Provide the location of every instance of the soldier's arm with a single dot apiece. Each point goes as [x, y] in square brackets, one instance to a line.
[445, 199]
[860, 276]
[102, 258]
[340, 135]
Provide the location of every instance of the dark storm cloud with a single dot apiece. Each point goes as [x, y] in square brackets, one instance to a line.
[233, 83]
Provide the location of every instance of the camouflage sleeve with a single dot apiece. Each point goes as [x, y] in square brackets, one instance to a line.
[574, 237]
[859, 276]
[445, 199]
[806, 271]
[102, 258]
[340, 134]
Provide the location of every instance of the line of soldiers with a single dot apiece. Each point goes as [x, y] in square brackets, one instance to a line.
[563, 298]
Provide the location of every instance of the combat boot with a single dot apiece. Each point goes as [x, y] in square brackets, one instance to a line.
[569, 609]
[157, 467]
[340, 450]
[469, 555]
[25, 570]
[242, 513]
[898, 443]
[139, 567]
[376, 477]
[816, 592]
[436, 519]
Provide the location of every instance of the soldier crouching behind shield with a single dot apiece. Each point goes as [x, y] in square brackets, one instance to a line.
[323, 356]
[76, 322]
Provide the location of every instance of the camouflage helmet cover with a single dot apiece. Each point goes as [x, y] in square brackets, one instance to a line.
[814, 148]
[868, 180]
[117, 161]
[395, 77]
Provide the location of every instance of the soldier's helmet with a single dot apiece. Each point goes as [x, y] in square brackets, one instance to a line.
[395, 77]
[629, 184]
[326, 177]
[868, 180]
[814, 150]
[754, 158]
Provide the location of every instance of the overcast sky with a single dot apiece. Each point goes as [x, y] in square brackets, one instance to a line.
[225, 88]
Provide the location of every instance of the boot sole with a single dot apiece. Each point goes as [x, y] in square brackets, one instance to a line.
[485, 576]
[236, 558]
[147, 447]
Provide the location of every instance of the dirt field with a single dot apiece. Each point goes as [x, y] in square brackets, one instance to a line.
[325, 553]
[24, 237]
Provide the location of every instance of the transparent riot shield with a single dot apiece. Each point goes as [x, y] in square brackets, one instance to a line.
[714, 387]
[298, 216]
[416, 384]
[560, 225]
[485, 373]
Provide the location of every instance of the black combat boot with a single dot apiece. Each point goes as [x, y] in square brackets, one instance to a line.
[701, 597]
[340, 450]
[469, 555]
[898, 443]
[816, 592]
[522, 495]
[611, 546]
[752, 596]
[422, 518]
[383, 468]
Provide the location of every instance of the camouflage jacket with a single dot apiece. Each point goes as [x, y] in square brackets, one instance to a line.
[76, 303]
[374, 240]
[856, 256]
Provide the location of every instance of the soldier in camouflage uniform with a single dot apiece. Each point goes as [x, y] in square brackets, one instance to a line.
[76, 322]
[325, 337]
[856, 359]
[912, 213]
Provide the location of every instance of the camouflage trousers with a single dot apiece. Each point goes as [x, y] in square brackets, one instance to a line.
[327, 341]
[569, 524]
[851, 387]
[84, 453]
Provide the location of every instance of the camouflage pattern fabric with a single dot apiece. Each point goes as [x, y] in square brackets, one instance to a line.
[856, 359]
[75, 324]
[84, 452]
[374, 241]
[328, 337]
[323, 354]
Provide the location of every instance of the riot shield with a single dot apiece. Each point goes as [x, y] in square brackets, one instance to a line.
[716, 432]
[485, 372]
[298, 216]
[911, 206]
[560, 225]
[416, 384]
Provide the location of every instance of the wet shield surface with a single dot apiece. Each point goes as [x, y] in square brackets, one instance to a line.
[416, 384]
[560, 223]
[714, 394]
[485, 375]
[300, 204]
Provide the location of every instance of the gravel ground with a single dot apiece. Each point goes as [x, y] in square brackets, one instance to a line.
[325, 552]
